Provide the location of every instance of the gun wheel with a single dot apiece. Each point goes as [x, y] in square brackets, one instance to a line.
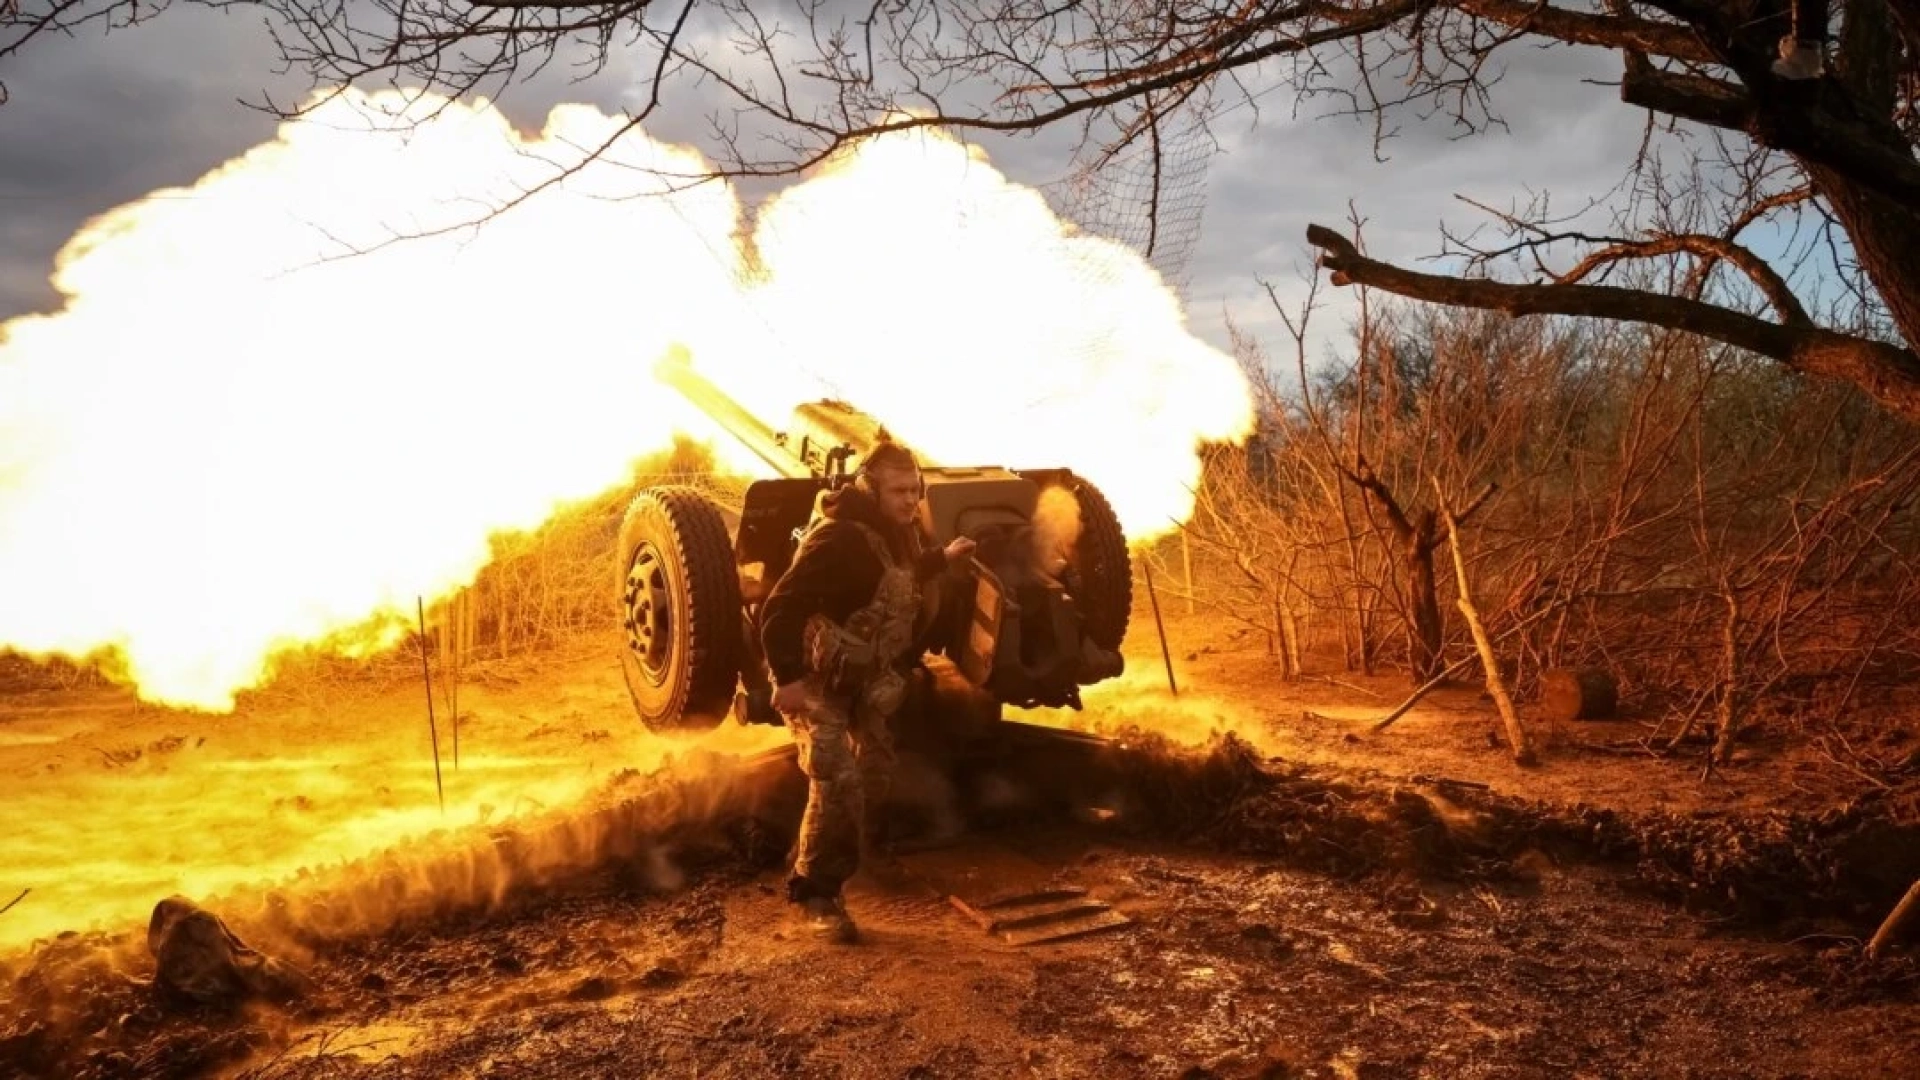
[680, 610]
[1100, 560]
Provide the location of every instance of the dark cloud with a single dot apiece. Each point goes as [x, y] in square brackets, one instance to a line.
[1563, 132]
[96, 120]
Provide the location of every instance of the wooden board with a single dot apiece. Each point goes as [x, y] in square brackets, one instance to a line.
[1010, 895]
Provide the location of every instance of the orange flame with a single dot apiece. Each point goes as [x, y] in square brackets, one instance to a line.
[231, 441]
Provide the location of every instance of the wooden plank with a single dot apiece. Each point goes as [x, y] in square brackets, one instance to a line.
[1031, 915]
[1092, 924]
[1064, 892]
[1009, 895]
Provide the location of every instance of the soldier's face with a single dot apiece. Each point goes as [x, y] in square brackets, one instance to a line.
[898, 491]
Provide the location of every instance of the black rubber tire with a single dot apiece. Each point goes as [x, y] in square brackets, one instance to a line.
[681, 652]
[1103, 567]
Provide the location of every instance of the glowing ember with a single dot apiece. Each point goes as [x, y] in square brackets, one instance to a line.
[231, 441]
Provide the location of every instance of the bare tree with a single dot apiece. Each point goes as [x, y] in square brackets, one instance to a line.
[1737, 547]
[1829, 160]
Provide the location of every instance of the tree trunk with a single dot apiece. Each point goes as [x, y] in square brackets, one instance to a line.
[1362, 651]
[1423, 603]
[1517, 741]
[1884, 235]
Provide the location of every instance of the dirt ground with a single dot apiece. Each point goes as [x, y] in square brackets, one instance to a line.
[1245, 957]
[1234, 968]
[1226, 679]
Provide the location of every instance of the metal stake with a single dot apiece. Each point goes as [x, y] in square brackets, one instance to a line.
[1165, 653]
[433, 727]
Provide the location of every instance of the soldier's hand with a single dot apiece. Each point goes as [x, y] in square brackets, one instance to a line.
[961, 548]
[791, 698]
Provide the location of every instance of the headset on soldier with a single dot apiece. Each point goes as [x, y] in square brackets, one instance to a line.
[886, 455]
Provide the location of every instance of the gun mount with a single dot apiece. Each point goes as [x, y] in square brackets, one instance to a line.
[1039, 613]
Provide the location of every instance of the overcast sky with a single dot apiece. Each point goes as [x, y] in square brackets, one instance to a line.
[99, 120]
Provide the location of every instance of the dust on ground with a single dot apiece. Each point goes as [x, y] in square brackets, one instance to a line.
[1261, 957]
[112, 805]
[1234, 968]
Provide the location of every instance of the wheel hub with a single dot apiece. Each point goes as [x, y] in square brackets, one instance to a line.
[649, 612]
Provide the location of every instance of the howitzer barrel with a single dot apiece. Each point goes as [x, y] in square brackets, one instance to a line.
[769, 445]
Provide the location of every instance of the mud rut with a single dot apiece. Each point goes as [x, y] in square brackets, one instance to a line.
[1287, 920]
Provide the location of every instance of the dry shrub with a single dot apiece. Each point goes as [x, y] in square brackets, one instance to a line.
[1729, 540]
[21, 674]
[545, 586]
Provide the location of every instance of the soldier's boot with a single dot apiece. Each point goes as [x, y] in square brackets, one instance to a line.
[827, 916]
[822, 910]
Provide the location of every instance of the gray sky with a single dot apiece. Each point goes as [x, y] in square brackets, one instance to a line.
[96, 121]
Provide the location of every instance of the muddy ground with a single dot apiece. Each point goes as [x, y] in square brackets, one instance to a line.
[1305, 900]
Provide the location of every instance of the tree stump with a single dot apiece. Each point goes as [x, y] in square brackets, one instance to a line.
[1578, 694]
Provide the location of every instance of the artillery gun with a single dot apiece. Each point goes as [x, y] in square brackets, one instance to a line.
[1027, 624]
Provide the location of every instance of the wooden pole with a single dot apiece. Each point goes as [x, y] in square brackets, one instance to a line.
[1425, 688]
[1497, 686]
[1166, 654]
[1186, 564]
[1902, 914]
[433, 728]
[451, 659]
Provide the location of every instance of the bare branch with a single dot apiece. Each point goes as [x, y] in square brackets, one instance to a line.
[1890, 373]
[1776, 289]
[1669, 39]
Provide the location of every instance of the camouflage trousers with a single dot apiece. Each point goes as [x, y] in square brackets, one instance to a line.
[846, 752]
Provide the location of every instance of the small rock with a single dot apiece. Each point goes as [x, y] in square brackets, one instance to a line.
[1420, 918]
[1275, 944]
[198, 958]
[664, 974]
[374, 981]
[1531, 865]
[591, 988]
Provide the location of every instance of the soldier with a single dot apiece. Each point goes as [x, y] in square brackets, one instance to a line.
[839, 634]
